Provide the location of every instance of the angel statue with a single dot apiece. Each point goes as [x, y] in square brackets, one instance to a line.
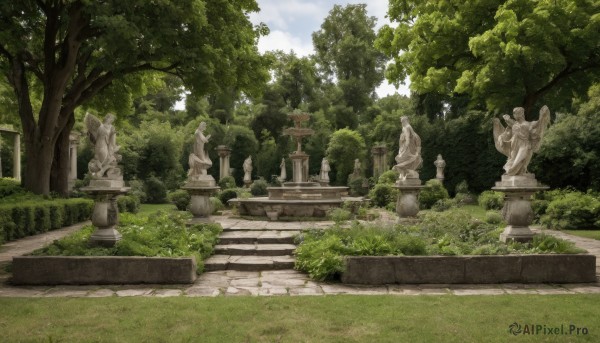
[520, 139]
[198, 160]
[409, 153]
[325, 169]
[103, 136]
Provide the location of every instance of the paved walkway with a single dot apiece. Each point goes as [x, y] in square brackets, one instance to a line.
[269, 282]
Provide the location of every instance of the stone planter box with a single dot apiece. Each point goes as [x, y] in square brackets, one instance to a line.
[375, 270]
[96, 270]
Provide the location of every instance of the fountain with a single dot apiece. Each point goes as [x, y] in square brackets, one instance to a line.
[298, 197]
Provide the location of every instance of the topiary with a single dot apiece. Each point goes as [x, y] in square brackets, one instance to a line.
[227, 182]
[383, 194]
[227, 195]
[180, 198]
[432, 192]
[491, 200]
[388, 177]
[156, 191]
[259, 187]
[574, 210]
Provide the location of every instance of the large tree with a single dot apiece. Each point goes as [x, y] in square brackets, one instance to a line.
[344, 50]
[68, 51]
[500, 52]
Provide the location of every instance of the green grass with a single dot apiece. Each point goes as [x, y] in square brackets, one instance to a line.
[594, 234]
[297, 319]
[146, 209]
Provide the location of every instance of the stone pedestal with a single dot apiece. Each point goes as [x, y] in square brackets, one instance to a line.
[200, 192]
[105, 216]
[299, 167]
[379, 160]
[224, 167]
[407, 205]
[73, 143]
[517, 206]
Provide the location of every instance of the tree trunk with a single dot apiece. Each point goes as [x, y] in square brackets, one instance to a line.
[528, 103]
[39, 163]
[61, 164]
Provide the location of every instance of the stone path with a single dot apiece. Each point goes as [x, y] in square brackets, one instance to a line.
[258, 248]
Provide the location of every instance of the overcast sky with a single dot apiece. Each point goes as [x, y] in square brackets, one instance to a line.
[292, 23]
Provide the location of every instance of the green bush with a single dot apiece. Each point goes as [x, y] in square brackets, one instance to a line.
[180, 198]
[462, 187]
[227, 195]
[356, 186]
[443, 205]
[156, 191]
[128, 203]
[491, 200]
[432, 192]
[383, 194]
[549, 244]
[388, 177]
[161, 235]
[573, 210]
[493, 217]
[9, 186]
[227, 182]
[216, 205]
[259, 187]
[29, 217]
[339, 215]
[138, 190]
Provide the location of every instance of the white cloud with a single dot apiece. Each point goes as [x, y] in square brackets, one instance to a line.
[386, 89]
[285, 15]
[281, 40]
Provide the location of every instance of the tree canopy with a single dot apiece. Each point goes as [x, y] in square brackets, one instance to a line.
[502, 53]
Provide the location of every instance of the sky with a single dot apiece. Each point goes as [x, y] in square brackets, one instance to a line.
[292, 23]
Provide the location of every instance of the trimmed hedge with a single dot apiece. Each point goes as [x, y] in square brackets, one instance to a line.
[9, 186]
[128, 203]
[32, 217]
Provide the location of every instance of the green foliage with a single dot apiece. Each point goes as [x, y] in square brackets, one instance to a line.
[259, 187]
[549, 244]
[499, 53]
[443, 205]
[339, 215]
[227, 182]
[156, 191]
[573, 210]
[344, 147]
[388, 177]
[357, 186]
[180, 198]
[491, 200]
[462, 187]
[493, 217]
[128, 203]
[9, 186]
[160, 235]
[138, 190]
[383, 194]
[432, 192]
[227, 195]
[216, 205]
[22, 216]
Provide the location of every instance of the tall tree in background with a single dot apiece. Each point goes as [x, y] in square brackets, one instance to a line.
[500, 52]
[345, 50]
[69, 51]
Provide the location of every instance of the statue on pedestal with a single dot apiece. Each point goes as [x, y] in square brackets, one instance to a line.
[103, 136]
[325, 169]
[440, 164]
[520, 139]
[283, 173]
[409, 154]
[198, 160]
[248, 170]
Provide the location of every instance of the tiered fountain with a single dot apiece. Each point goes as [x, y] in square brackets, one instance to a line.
[300, 197]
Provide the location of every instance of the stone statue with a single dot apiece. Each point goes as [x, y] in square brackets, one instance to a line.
[440, 164]
[248, 169]
[520, 139]
[199, 161]
[104, 137]
[409, 154]
[283, 174]
[325, 169]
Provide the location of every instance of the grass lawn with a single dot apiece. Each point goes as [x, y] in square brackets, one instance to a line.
[147, 209]
[298, 319]
[595, 234]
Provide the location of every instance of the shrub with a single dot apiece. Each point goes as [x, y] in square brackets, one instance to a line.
[356, 186]
[216, 205]
[493, 217]
[259, 187]
[339, 214]
[180, 198]
[156, 191]
[383, 194]
[549, 244]
[574, 210]
[228, 182]
[432, 192]
[464, 199]
[9, 186]
[443, 205]
[227, 195]
[128, 203]
[389, 177]
[462, 187]
[491, 200]
[138, 190]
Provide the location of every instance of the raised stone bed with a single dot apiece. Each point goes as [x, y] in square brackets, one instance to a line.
[96, 270]
[375, 270]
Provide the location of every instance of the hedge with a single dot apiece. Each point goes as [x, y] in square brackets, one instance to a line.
[33, 217]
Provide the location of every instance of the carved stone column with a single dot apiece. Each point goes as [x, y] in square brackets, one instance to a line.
[379, 160]
[73, 142]
[17, 157]
[224, 166]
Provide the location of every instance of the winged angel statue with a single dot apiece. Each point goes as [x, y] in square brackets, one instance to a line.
[103, 136]
[520, 139]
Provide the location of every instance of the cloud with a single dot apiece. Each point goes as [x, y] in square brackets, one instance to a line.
[286, 15]
[386, 89]
[281, 40]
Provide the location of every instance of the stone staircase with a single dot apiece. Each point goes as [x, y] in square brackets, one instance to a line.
[249, 249]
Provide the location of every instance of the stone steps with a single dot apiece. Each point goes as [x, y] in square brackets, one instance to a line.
[255, 249]
[248, 263]
[259, 237]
